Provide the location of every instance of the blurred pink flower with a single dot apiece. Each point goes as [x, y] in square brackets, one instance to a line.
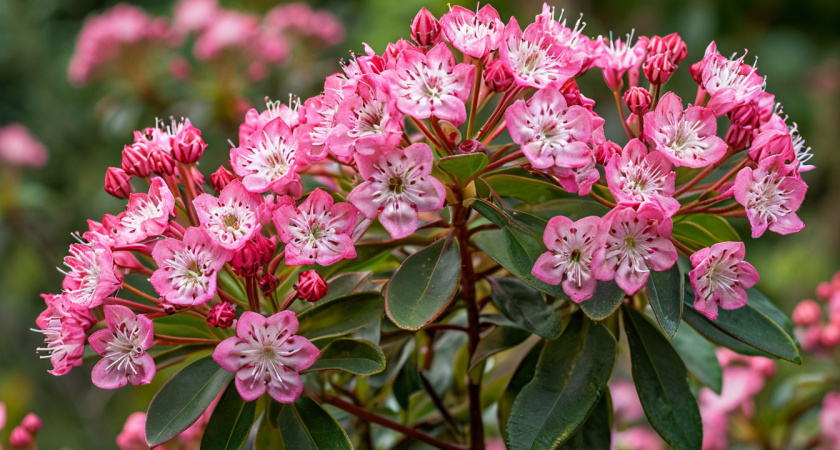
[19, 148]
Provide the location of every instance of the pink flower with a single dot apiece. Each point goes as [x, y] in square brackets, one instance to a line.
[550, 132]
[720, 277]
[123, 348]
[830, 419]
[432, 84]
[626, 405]
[311, 286]
[687, 137]
[636, 176]
[474, 34]
[319, 113]
[569, 256]
[317, 231]
[269, 160]
[772, 142]
[187, 269]
[632, 244]
[194, 15]
[228, 30]
[222, 315]
[637, 438]
[231, 219]
[425, 28]
[807, 313]
[19, 148]
[536, 59]
[146, 216]
[730, 82]
[366, 120]
[133, 434]
[615, 58]
[265, 354]
[64, 330]
[771, 194]
[91, 277]
[577, 180]
[563, 36]
[397, 186]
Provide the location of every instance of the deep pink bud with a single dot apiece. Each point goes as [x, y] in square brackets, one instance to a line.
[425, 28]
[162, 162]
[20, 438]
[659, 68]
[497, 76]
[807, 313]
[744, 127]
[830, 335]
[696, 71]
[472, 146]
[222, 315]
[32, 423]
[672, 44]
[638, 100]
[135, 160]
[117, 182]
[311, 286]
[187, 145]
[268, 283]
[257, 252]
[824, 290]
[221, 178]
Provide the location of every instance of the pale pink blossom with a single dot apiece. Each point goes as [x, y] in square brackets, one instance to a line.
[632, 244]
[232, 218]
[91, 277]
[266, 355]
[569, 256]
[123, 348]
[577, 180]
[228, 30]
[615, 58]
[397, 185]
[686, 137]
[639, 437]
[187, 269]
[133, 434]
[19, 148]
[771, 194]
[194, 15]
[730, 82]
[563, 36]
[721, 277]
[636, 176]
[317, 231]
[64, 329]
[830, 419]
[291, 114]
[367, 119]
[146, 216]
[474, 34]
[536, 59]
[319, 113]
[269, 160]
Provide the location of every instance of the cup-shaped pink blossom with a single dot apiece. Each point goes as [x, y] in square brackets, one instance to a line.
[316, 231]
[615, 58]
[569, 256]
[366, 120]
[397, 185]
[636, 176]
[730, 82]
[473, 34]
[123, 348]
[187, 268]
[92, 276]
[64, 334]
[686, 137]
[771, 194]
[269, 160]
[232, 218]
[266, 355]
[534, 57]
[720, 278]
[146, 216]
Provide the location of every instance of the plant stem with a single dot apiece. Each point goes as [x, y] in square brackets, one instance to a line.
[685, 250]
[189, 187]
[474, 103]
[139, 293]
[627, 129]
[446, 326]
[131, 305]
[502, 161]
[425, 130]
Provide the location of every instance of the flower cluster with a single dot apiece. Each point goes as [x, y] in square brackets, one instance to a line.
[25, 434]
[818, 335]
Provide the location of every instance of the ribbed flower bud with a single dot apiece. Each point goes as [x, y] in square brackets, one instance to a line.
[472, 146]
[425, 28]
[162, 162]
[257, 252]
[311, 286]
[268, 283]
[497, 76]
[135, 160]
[221, 178]
[638, 100]
[658, 67]
[222, 315]
[32, 423]
[187, 145]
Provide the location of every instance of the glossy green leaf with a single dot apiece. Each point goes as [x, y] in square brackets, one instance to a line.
[527, 189]
[182, 325]
[660, 378]
[604, 302]
[348, 283]
[573, 208]
[596, 432]
[521, 377]
[184, 398]
[500, 339]
[356, 356]
[305, 425]
[704, 230]
[465, 166]
[424, 285]
[406, 384]
[397, 353]
[340, 316]
[665, 291]
[571, 375]
[230, 422]
[268, 436]
[525, 307]
[699, 357]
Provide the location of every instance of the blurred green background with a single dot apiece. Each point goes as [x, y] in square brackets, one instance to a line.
[84, 129]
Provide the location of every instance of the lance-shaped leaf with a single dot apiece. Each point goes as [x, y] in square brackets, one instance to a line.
[230, 422]
[424, 285]
[570, 377]
[660, 379]
[305, 425]
[604, 302]
[573, 208]
[183, 399]
[340, 316]
[530, 190]
[525, 307]
[521, 377]
[356, 356]
[704, 230]
[500, 339]
[596, 432]
[699, 357]
[665, 291]
[464, 167]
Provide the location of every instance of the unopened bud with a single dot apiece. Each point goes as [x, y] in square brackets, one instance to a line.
[162, 162]
[658, 67]
[472, 146]
[222, 315]
[807, 313]
[425, 28]
[677, 47]
[739, 137]
[117, 182]
[20, 438]
[497, 76]
[32, 423]
[187, 145]
[311, 286]
[221, 178]
[257, 252]
[135, 160]
[830, 335]
[638, 100]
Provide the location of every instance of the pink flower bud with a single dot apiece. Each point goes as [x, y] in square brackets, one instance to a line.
[659, 68]
[222, 315]
[824, 290]
[472, 146]
[425, 28]
[117, 182]
[638, 100]
[739, 137]
[268, 283]
[187, 145]
[135, 160]
[162, 162]
[221, 178]
[32, 423]
[20, 438]
[311, 286]
[672, 44]
[257, 252]
[830, 335]
[497, 76]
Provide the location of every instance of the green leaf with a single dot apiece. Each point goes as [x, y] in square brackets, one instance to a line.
[184, 398]
[268, 436]
[527, 189]
[604, 302]
[464, 167]
[758, 324]
[406, 384]
[660, 379]
[573, 208]
[182, 325]
[570, 377]
[397, 353]
[500, 339]
[596, 432]
[230, 422]
[340, 316]
[356, 356]
[424, 285]
[665, 292]
[521, 377]
[305, 425]
[348, 283]
[699, 231]
[699, 357]
[525, 307]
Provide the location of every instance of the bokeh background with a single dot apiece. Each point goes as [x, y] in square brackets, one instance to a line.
[84, 129]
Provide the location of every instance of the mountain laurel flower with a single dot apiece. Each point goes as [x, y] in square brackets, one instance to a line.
[231, 219]
[772, 142]
[425, 28]
[497, 76]
[123, 348]
[220, 178]
[632, 244]
[367, 120]
[577, 180]
[569, 256]
[729, 81]
[535, 59]
[636, 176]
[687, 138]
[311, 286]
[550, 132]
[146, 216]
[269, 160]
[92, 276]
[63, 328]
[615, 58]
[266, 355]
[638, 100]
[771, 194]
[187, 269]
[18, 147]
[319, 112]
[397, 185]
[222, 315]
[721, 277]
[432, 84]
[317, 231]
[473, 34]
